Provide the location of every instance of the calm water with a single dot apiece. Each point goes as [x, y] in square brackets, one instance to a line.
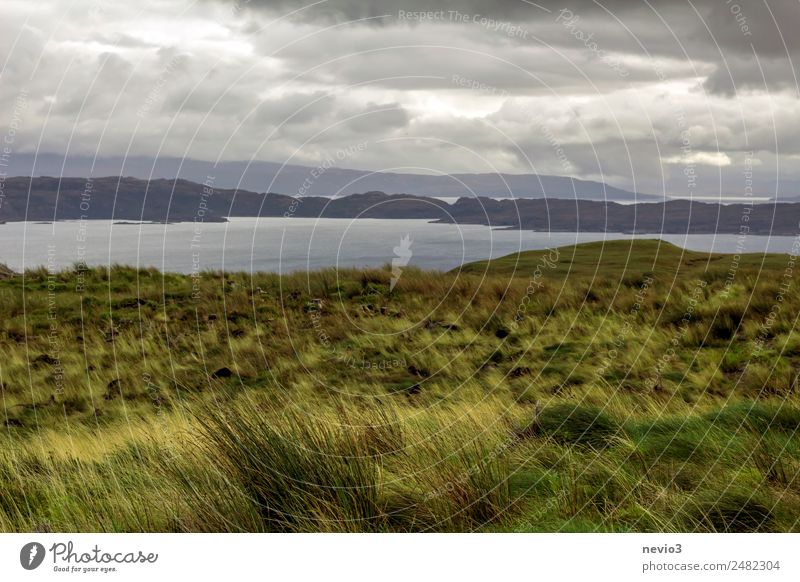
[291, 244]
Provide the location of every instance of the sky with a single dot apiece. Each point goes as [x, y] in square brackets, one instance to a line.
[672, 97]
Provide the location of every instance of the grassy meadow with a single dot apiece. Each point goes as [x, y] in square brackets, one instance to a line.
[619, 386]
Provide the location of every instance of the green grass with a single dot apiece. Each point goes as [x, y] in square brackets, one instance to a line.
[618, 386]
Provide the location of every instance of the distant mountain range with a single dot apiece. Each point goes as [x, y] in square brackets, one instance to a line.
[323, 180]
[46, 199]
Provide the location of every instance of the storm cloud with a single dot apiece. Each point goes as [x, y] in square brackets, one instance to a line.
[630, 92]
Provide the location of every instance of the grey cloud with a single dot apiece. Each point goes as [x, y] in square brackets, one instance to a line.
[745, 73]
[610, 126]
[716, 32]
[378, 118]
[348, 10]
[768, 26]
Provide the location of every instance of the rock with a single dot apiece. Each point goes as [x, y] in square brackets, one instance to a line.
[430, 324]
[16, 335]
[45, 359]
[222, 373]
[113, 389]
[135, 302]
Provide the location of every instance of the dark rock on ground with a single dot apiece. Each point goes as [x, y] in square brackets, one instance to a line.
[45, 359]
[222, 373]
[519, 372]
[113, 389]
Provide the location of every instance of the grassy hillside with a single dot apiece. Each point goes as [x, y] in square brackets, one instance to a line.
[617, 258]
[618, 386]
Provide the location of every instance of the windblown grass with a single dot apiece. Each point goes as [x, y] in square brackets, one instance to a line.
[623, 387]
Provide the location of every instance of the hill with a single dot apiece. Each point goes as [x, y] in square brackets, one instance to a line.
[180, 200]
[557, 397]
[326, 179]
[615, 258]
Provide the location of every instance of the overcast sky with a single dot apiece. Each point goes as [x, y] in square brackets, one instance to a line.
[639, 94]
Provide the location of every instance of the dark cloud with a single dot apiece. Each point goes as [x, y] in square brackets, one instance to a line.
[711, 31]
[349, 10]
[616, 85]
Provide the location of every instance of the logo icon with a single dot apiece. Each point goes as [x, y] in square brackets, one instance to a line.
[31, 555]
[402, 256]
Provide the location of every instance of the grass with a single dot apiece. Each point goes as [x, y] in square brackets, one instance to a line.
[618, 386]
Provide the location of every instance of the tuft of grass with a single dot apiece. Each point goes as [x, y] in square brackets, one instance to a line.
[300, 475]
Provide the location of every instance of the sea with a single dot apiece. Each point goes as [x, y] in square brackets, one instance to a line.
[284, 245]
